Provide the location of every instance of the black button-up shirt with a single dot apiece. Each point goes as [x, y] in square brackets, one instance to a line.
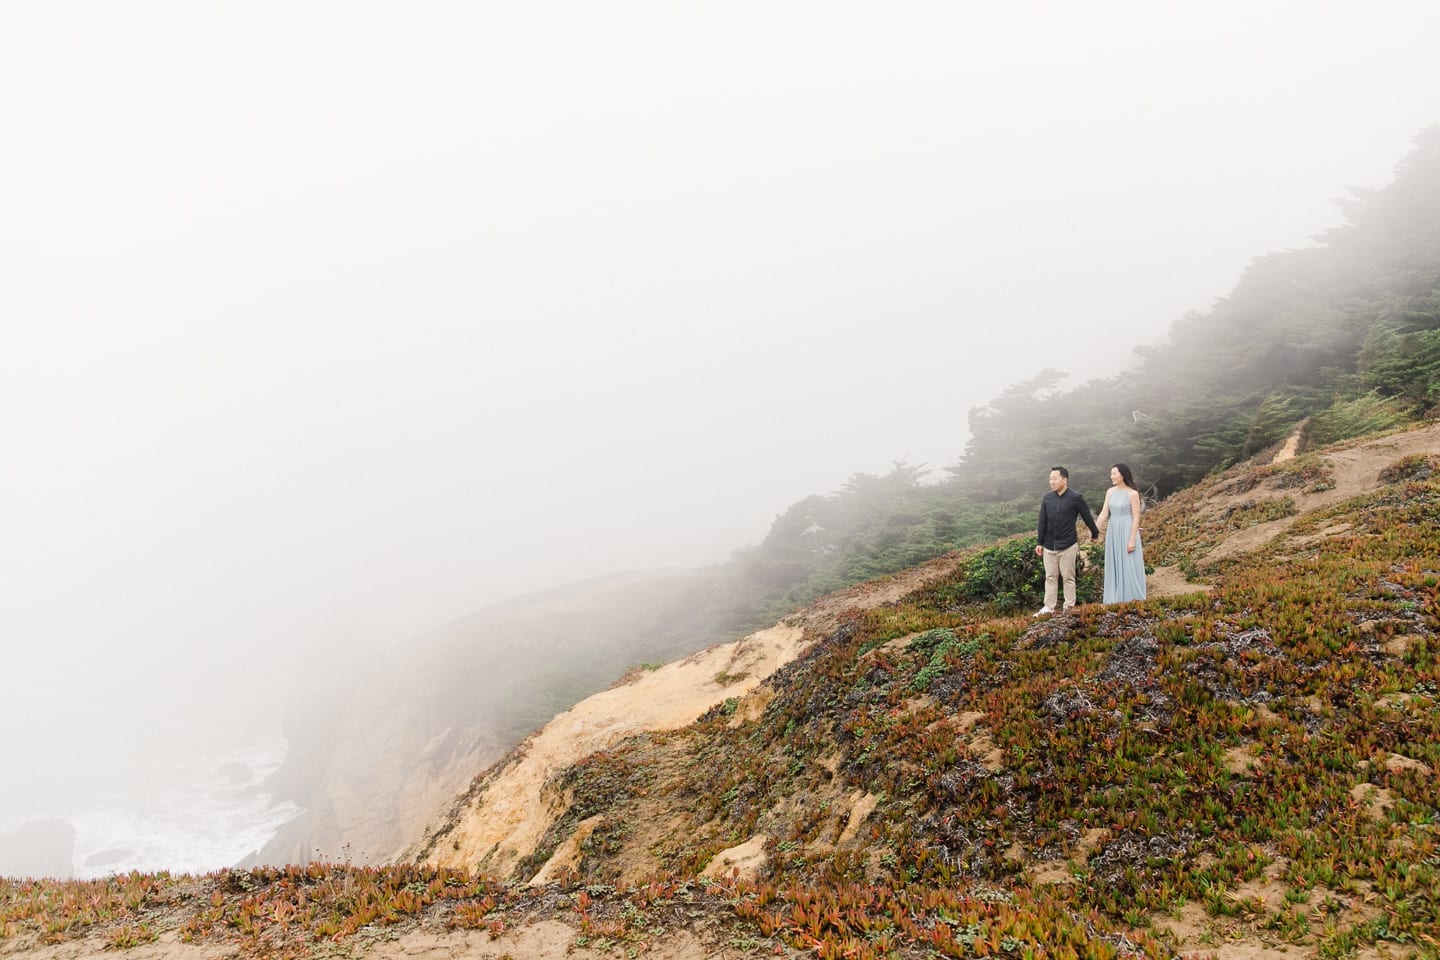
[1057, 519]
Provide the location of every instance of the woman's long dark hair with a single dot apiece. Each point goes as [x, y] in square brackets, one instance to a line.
[1126, 475]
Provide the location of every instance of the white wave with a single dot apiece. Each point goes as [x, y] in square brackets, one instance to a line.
[200, 814]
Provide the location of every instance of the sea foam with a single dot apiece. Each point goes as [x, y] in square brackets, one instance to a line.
[201, 813]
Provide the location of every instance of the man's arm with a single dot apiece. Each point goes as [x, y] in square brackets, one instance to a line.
[1040, 530]
[1085, 515]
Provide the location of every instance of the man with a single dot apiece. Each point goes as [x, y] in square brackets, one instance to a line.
[1056, 540]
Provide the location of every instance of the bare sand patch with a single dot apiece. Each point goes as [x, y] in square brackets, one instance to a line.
[1170, 582]
[1268, 890]
[166, 947]
[1399, 645]
[1377, 801]
[1324, 533]
[745, 861]
[826, 614]
[991, 756]
[752, 707]
[1239, 760]
[1060, 871]
[964, 721]
[1291, 446]
[1265, 713]
[1395, 763]
[567, 856]
[861, 806]
[543, 940]
[1090, 841]
[1251, 538]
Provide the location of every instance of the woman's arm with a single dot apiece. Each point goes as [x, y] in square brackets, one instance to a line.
[1104, 511]
[1135, 519]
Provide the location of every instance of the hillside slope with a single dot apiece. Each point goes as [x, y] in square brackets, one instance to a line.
[498, 822]
[907, 769]
[1261, 750]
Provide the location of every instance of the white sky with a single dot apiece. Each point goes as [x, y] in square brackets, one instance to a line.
[325, 323]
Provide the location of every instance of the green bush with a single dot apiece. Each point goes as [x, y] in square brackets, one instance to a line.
[1355, 418]
[1010, 576]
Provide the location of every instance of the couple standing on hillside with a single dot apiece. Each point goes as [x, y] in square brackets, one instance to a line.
[1058, 544]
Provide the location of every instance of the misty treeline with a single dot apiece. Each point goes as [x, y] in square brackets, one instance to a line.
[1342, 337]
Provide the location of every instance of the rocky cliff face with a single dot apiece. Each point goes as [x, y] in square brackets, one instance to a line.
[376, 753]
[501, 822]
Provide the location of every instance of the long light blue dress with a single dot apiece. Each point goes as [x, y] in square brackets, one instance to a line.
[1124, 571]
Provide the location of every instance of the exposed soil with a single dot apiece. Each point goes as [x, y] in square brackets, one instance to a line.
[1170, 582]
[689, 930]
[1356, 470]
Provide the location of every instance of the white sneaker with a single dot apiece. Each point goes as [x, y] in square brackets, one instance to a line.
[1043, 611]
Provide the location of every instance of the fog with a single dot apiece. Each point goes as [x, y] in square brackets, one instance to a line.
[326, 323]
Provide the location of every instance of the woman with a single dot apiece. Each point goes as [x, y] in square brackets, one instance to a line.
[1124, 553]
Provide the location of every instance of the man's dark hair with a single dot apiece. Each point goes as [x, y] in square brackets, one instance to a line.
[1062, 471]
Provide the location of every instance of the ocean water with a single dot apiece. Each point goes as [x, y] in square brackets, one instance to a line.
[193, 814]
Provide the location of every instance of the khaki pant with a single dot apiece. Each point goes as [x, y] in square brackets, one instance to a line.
[1060, 564]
